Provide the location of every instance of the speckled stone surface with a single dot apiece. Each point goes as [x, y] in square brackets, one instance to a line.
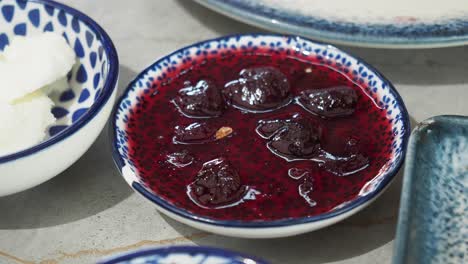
[89, 212]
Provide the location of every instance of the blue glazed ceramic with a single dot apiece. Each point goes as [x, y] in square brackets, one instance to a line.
[421, 34]
[184, 255]
[92, 83]
[433, 221]
[380, 88]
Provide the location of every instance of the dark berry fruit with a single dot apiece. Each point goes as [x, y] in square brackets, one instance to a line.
[216, 184]
[195, 133]
[202, 100]
[296, 140]
[258, 89]
[330, 102]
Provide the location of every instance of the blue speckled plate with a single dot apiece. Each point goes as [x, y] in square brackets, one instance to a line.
[433, 223]
[401, 32]
[184, 255]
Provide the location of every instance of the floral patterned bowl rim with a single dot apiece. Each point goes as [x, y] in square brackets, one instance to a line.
[232, 256]
[108, 88]
[145, 78]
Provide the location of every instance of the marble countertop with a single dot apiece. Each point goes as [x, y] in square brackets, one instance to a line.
[89, 212]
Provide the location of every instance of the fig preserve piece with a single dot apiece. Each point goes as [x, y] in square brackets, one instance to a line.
[194, 133]
[216, 184]
[296, 140]
[258, 89]
[201, 100]
[331, 102]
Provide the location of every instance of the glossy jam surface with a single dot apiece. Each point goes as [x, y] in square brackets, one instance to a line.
[257, 137]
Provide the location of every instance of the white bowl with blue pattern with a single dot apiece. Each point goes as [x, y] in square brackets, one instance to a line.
[184, 255]
[82, 110]
[379, 87]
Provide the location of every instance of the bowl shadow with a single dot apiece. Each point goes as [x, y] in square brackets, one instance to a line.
[369, 229]
[88, 187]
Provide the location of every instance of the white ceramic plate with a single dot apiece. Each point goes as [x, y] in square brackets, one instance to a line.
[366, 23]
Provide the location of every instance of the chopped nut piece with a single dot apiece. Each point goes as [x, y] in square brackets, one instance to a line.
[223, 132]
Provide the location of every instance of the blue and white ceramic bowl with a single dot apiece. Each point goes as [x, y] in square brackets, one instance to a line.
[379, 88]
[184, 255]
[82, 110]
[433, 219]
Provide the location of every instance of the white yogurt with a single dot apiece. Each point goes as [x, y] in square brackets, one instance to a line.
[23, 124]
[30, 63]
[30, 69]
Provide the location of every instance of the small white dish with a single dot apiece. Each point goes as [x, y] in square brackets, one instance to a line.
[82, 110]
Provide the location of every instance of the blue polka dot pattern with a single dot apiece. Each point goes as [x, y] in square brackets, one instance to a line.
[92, 59]
[84, 95]
[62, 18]
[96, 80]
[65, 36]
[34, 17]
[100, 52]
[382, 92]
[76, 25]
[49, 27]
[184, 254]
[3, 41]
[79, 49]
[49, 9]
[8, 11]
[59, 112]
[89, 38]
[67, 96]
[81, 75]
[21, 3]
[20, 29]
[78, 113]
[23, 18]
[54, 130]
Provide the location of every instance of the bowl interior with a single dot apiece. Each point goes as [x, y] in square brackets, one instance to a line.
[86, 79]
[378, 88]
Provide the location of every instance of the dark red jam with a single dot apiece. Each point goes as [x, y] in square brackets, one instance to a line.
[242, 136]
